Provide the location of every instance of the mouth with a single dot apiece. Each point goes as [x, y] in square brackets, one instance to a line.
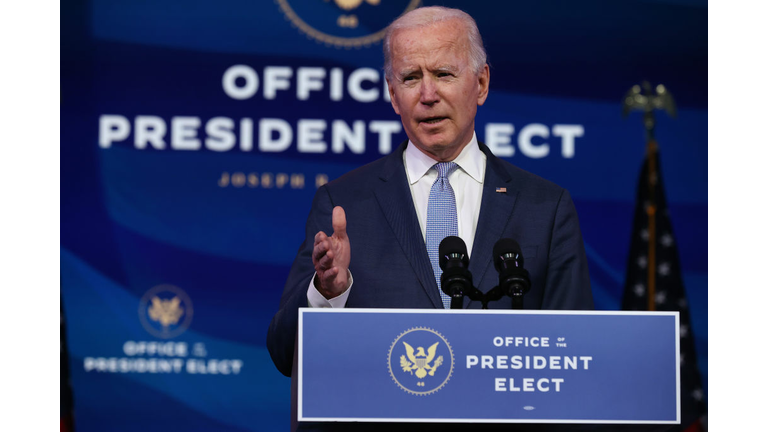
[433, 120]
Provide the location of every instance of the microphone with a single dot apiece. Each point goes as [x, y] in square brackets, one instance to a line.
[456, 280]
[514, 280]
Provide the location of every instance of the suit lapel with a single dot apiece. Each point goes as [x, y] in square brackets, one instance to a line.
[495, 213]
[394, 197]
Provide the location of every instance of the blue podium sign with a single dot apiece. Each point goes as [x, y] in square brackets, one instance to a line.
[457, 366]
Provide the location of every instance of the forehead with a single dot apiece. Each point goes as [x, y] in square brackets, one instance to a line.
[434, 41]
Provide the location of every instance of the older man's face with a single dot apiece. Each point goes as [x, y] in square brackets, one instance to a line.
[434, 88]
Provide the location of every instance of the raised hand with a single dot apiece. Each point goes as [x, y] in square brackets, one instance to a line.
[330, 257]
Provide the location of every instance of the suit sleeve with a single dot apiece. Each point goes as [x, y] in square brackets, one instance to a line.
[567, 285]
[281, 335]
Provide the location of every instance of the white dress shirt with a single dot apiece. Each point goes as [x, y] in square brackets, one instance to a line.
[467, 184]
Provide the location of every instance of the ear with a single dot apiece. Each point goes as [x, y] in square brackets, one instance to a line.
[483, 83]
[392, 97]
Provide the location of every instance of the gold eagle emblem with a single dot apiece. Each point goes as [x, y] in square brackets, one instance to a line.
[353, 4]
[166, 312]
[419, 361]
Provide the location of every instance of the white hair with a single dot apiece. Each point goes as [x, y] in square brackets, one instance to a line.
[427, 16]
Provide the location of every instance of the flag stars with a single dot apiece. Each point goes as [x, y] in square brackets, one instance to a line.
[661, 297]
[682, 303]
[683, 331]
[644, 234]
[639, 289]
[642, 262]
[664, 269]
[667, 240]
[682, 359]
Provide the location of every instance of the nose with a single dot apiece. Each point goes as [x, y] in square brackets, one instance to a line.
[428, 92]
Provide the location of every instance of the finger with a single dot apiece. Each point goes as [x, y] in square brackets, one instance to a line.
[331, 273]
[339, 222]
[329, 277]
[320, 249]
[320, 236]
[326, 261]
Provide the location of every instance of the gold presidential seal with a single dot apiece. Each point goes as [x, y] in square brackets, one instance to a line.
[345, 23]
[420, 361]
[165, 311]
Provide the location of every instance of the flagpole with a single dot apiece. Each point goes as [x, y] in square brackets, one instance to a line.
[650, 210]
[645, 99]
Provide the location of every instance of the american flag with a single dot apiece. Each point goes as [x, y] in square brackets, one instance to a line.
[669, 294]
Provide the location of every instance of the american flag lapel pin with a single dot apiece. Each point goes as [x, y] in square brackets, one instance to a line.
[501, 190]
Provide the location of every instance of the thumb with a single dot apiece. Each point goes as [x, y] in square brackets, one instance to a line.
[339, 221]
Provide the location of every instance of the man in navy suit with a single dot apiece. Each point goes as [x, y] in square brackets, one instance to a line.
[378, 215]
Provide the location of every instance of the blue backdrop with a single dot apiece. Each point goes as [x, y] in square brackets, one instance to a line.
[195, 133]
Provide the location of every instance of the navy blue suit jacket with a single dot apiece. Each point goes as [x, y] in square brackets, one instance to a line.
[389, 261]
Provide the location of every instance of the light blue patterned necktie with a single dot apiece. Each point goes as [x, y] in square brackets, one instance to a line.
[441, 219]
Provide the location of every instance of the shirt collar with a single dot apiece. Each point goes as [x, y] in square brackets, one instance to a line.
[471, 160]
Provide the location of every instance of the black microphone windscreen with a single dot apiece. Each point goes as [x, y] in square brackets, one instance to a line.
[451, 245]
[506, 246]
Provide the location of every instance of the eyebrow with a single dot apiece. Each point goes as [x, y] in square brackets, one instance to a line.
[446, 68]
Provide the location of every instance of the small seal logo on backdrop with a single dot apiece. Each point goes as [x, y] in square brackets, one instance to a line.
[420, 361]
[345, 23]
[165, 311]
